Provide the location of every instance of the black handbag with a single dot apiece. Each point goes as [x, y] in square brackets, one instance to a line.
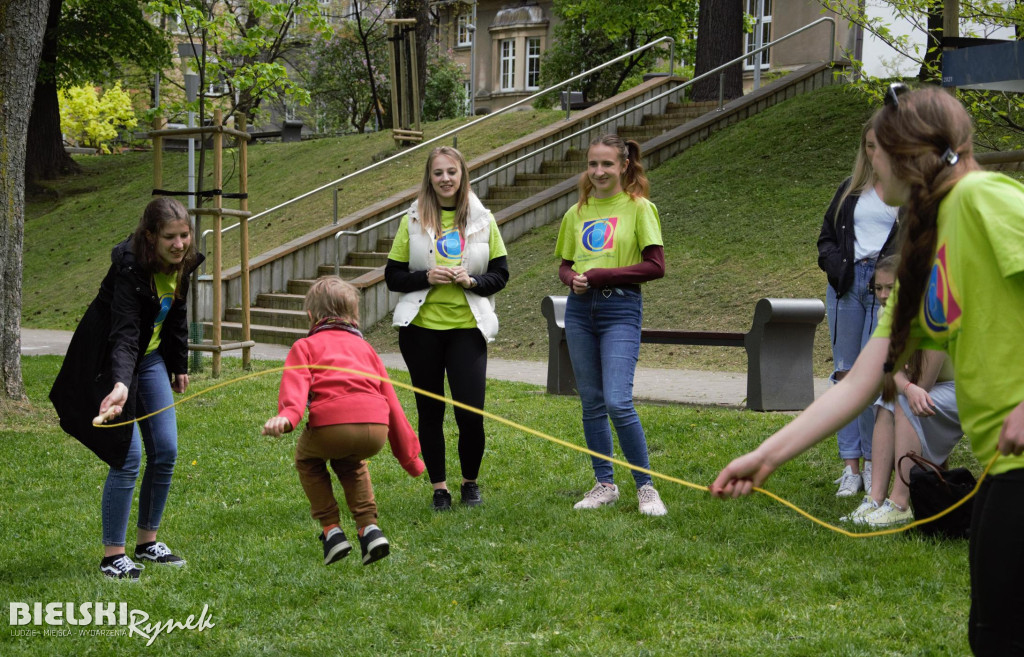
[934, 489]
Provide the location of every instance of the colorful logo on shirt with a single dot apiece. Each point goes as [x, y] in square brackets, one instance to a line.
[599, 234]
[940, 306]
[450, 244]
[165, 307]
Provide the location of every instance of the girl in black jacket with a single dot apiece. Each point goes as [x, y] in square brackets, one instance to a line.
[128, 353]
[858, 229]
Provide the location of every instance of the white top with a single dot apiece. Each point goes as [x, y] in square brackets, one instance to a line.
[872, 221]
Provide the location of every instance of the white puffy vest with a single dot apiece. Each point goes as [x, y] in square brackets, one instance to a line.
[475, 257]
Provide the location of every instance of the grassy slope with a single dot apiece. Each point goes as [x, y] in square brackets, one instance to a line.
[69, 233]
[740, 219]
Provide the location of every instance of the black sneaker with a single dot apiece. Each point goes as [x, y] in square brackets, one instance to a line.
[442, 499]
[120, 567]
[336, 546]
[373, 544]
[157, 552]
[471, 494]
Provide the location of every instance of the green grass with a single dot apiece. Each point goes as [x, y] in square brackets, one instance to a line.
[523, 575]
[71, 226]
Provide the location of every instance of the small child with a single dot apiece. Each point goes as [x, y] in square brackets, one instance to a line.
[350, 418]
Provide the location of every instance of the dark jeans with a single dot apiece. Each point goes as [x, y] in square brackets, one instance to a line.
[997, 566]
[462, 353]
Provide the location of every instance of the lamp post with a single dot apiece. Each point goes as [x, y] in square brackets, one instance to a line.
[472, 63]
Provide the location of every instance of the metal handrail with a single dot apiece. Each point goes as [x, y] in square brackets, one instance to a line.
[454, 131]
[589, 128]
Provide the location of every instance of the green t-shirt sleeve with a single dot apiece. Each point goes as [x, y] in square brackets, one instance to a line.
[918, 338]
[999, 204]
[495, 243]
[400, 246]
[648, 225]
[565, 246]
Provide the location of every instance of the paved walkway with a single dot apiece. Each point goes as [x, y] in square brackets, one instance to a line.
[653, 384]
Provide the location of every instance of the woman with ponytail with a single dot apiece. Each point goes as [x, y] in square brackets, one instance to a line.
[858, 230]
[960, 289]
[610, 243]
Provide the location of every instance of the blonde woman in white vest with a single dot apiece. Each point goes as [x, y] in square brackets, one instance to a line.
[447, 261]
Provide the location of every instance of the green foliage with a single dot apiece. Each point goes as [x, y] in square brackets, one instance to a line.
[522, 575]
[591, 32]
[92, 119]
[445, 93]
[998, 116]
[244, 45]
[339, 79]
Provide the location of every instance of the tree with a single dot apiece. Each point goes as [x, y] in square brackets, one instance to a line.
[243, 45]
[86, 41]
[592, 32]
[420, 10]
[998, 116]
[719, 40]
[93, 119]
[445, 94]
[23, 24]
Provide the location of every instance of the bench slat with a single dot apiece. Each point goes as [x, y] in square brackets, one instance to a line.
[697, 338]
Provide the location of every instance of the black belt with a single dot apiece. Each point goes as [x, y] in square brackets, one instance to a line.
[608, 290]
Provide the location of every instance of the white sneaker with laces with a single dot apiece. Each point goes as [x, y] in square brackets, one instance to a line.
[887, 515]
[650, 501]
[598, 496]
[849, 483]
[865, 475]
[867, 505]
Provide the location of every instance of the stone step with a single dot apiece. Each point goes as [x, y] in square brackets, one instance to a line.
[274, 317]
[514, 191]
[563, 168]
[232, 332]
[280, 301]
[547, 179]
[495, 204]
[347, 272]
[367, 258]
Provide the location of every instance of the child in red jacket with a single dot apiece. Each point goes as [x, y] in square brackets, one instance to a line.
[350, 418]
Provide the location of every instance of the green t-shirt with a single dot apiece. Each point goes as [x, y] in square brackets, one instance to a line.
[445, 306]
[973, 305]
[165, 284]
[608, 232]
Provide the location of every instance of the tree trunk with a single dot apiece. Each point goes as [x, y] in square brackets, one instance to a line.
[420, 10]
[22, 23]
[46, 158]
[719, 39]
[931, 67]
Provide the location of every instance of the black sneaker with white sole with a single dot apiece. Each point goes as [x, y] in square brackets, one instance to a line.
[120, 566]
[336, 546]
[373, 544]
[157, 552]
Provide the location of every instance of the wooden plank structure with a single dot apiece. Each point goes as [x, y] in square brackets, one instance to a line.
[403, 66]
[217, 212]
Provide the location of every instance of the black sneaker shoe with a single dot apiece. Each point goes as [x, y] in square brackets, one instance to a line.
[373, 544]
[120, 567]
[442, 500]
[336, 546]
[157, 553]
[471, 494]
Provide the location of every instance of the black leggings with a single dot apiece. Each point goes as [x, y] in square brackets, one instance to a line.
[997, 566]
[462, 353]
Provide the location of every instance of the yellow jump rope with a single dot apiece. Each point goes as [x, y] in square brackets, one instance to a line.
[101, 419]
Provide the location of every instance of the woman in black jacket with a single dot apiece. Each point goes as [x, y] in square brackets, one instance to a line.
[858, 229]
[129, 352]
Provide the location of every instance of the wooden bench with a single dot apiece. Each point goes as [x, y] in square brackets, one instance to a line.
[779, 349]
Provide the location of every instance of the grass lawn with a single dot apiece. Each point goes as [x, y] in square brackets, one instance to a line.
[523, 575]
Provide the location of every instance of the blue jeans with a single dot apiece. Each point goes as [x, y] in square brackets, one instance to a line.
[160, 436]
[851, 321]
[603, 335]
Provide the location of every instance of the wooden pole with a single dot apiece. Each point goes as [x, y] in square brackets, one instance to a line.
[243, 225]
[218, 202]
[414, 76]
[158, 153]
[393, 70]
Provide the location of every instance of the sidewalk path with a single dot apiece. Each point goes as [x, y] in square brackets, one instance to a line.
[652, 384]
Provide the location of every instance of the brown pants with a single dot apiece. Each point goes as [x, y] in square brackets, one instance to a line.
[345, 446]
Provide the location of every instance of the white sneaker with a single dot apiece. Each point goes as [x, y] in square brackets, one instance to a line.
[886, 515]
[849, 483]
[865, 475]
[650, 501]
[598, 496]
[867, 505]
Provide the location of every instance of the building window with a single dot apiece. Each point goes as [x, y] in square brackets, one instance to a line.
[508, 64]
[766, 32]
[465, 34]
[533, 63]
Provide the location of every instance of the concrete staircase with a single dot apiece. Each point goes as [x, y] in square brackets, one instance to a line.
[278, 317]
